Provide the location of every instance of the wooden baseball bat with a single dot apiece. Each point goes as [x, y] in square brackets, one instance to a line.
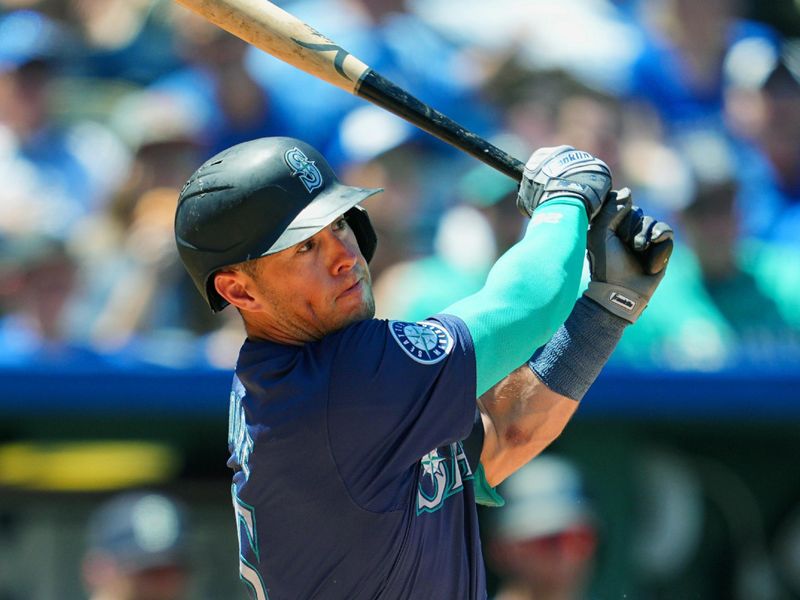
[273, 30]
[284, 36]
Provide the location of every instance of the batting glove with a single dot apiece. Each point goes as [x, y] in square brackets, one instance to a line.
[563, 171]
[628, 254]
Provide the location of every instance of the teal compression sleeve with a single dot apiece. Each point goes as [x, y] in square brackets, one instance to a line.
[528, 293]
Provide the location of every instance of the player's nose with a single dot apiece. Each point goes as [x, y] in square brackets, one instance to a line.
[343, 253]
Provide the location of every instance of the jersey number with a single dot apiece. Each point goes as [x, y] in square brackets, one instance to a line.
[246, 524]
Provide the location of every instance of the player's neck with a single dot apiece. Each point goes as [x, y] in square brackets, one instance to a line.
[259, 329]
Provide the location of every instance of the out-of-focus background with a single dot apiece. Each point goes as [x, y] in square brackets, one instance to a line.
[679, 476]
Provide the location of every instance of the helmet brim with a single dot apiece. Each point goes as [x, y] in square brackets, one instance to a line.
[322, 211]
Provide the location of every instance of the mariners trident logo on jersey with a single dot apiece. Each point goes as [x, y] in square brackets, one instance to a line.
[444, 471]
[305, 170]
[426, 342]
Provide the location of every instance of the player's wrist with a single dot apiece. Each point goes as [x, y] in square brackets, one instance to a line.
[570, 362]
[558, 204]
[558, 191]
[560, 171]
[621, 302]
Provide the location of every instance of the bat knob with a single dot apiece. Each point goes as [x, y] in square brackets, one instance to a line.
[655, 258]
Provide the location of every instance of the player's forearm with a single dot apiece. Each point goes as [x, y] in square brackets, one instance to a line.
[521, 417]
[528, 293]
[530, 408]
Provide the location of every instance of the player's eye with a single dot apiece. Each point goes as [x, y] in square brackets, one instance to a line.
[305, 246]
[339, 224]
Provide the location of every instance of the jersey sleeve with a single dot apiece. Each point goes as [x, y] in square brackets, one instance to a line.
[398, 390]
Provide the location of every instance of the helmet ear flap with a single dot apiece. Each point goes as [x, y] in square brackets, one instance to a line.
[366, 237]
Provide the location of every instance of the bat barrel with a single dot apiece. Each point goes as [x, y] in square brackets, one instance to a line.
[377, 89]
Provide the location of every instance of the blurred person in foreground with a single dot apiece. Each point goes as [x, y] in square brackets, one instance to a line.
[137, 549]
[543, 543]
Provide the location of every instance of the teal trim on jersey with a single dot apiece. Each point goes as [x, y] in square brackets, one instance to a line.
[486, 495]
[257, 591]
[251, 532]
[528, 293]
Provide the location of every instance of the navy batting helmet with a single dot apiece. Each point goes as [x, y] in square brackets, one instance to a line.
[258, 198]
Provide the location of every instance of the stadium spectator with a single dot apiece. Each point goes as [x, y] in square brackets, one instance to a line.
[464, 248]
[226, 102]
[405, 218]
[378, 33]
[470, 235]
[680, 70]
[51, 173]
[123, 42]
[137, 549]
[544, 540]
[766, 113]
[132, 286]
[726, 299]
[37, 276]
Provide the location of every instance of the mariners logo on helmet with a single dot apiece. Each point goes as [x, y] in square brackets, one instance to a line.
[304, 169]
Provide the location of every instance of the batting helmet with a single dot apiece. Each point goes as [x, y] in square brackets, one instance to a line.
[258, 198]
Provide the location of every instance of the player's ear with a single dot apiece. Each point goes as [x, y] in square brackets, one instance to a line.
[236, 288]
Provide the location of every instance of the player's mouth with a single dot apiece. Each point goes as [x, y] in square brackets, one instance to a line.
[356, 288]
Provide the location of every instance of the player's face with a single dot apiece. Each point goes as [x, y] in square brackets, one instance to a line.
[315, 287]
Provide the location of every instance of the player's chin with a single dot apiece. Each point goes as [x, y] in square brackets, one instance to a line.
[357, 307]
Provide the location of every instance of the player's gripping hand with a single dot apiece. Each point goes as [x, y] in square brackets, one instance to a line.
[628, 255]
[563, 171]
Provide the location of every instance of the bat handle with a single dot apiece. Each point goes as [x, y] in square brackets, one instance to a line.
[379, 90]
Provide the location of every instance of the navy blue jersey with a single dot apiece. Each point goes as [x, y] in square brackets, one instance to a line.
[350, 476]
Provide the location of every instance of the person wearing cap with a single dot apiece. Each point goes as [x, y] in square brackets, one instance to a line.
[62, 168]
[765, 109]
[137, 549]
[357, 445]
[543, 543]
[681, 68]
[729, 300]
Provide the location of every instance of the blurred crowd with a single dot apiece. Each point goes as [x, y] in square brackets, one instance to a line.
[106, 107]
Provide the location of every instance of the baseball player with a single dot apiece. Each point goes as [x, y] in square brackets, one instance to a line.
[358, 448]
